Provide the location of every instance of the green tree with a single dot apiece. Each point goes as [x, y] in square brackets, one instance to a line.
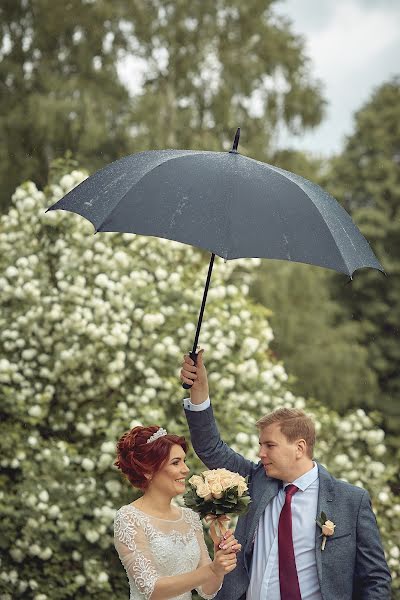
[215, 65]
[207, 68]
[59, 86]
[92, 331]
[366, 178]
[322, 350]
[299, 162]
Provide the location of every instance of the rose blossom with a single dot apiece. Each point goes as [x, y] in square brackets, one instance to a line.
[242, 488]
[328, 528]
[196, 480]
[212, 476]
[216, 489]
[227, 480]
[203, 491]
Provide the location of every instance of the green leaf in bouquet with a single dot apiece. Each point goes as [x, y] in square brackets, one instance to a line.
[231, 500]
[190, 503]
[219, 511]
[241, 511]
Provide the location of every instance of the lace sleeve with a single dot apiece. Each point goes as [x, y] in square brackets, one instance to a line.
[132, 545]
[204, 555]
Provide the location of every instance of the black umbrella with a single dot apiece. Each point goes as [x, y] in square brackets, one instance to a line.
[226, 203]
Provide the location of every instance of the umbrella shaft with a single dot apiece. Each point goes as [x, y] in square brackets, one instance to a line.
[203, 304]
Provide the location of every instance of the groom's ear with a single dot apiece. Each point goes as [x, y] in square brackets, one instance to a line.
[301, 448]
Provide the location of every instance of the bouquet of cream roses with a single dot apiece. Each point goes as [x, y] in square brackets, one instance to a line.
[215, 494]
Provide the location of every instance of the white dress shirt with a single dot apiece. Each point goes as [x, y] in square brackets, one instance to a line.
[189, 406]
[264, 577]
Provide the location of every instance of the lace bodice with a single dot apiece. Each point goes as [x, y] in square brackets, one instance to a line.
[150, 548]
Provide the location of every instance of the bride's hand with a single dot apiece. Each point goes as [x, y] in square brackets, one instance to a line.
[223, 563]
[228, 543]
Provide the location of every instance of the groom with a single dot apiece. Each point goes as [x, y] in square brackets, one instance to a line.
[284, 556]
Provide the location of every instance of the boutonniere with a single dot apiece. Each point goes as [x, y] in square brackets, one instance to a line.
[327, 527]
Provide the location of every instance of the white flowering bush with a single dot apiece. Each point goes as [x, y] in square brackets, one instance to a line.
[92, 333]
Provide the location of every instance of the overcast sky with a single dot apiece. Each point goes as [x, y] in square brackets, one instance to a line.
[354, 46]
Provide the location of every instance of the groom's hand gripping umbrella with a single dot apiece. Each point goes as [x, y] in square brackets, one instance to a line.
[226, 203]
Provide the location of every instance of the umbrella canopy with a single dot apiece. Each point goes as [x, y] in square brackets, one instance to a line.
[226, 203]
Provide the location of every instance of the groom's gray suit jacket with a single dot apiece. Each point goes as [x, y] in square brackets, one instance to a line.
[352, 566]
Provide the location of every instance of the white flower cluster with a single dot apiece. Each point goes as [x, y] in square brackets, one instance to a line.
[93, 329]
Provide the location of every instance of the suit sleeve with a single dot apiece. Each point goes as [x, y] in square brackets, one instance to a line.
[210, 448]
[372, 574]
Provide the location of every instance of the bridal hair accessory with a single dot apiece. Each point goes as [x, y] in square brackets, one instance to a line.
[159, 433]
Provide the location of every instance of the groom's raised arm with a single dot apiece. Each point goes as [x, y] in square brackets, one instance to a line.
[204, 433]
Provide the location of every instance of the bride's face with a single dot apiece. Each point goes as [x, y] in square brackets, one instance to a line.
[170, 479]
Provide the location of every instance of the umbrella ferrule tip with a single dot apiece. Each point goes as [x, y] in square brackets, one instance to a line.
[235, 142]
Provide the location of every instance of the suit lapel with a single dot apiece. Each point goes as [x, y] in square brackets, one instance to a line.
[326, 504]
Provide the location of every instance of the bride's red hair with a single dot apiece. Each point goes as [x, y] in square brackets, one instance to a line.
[136, 458]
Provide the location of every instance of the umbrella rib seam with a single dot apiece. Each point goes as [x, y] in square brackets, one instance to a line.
[323, 218]
[147, 173]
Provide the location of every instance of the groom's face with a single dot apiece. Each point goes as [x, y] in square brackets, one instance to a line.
[278, 455]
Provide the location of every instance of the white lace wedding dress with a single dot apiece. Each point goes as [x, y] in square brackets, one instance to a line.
[150, 548]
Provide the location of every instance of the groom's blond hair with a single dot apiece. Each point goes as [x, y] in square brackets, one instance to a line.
[294, 423]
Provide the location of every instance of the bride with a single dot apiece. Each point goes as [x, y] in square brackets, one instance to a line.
[161, 545]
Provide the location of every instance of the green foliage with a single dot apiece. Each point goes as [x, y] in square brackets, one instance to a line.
[299, 162]
[366, 178]
[92, 331]
[206, 65]
[60, 166]
[60, 89]
[321, 520]
[322, 351]
[214, 66]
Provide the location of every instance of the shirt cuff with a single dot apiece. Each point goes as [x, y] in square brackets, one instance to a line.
[187, 404]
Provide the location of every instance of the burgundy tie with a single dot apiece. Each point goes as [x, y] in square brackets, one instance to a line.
[288, 580]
